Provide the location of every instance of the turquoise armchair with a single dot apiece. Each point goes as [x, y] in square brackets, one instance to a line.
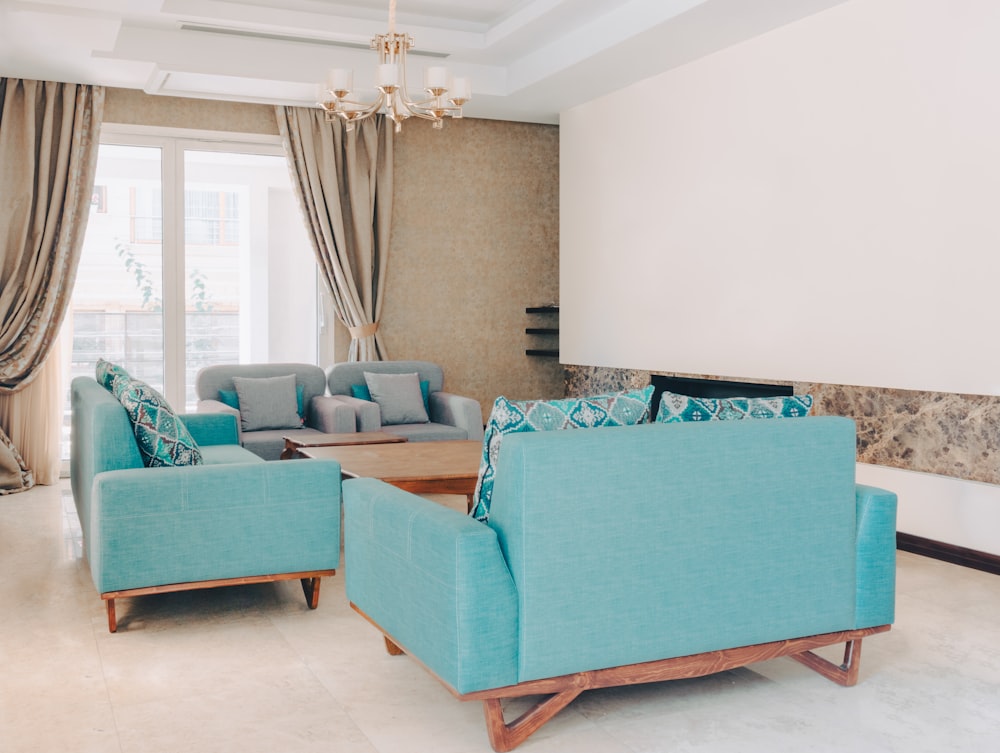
[233, 519]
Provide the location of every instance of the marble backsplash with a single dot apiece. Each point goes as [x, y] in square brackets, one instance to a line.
[933, 432]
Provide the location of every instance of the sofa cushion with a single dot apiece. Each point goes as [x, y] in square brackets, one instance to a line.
[106, 373]
[232, 399]
[398, 396]
[362, 392]
[267, 403]
[162, 437]
[676, 408]
[508, 416]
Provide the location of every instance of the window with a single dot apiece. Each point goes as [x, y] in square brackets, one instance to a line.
[195, 254]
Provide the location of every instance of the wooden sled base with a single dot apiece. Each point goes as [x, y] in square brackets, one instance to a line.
[310, 586]
[561, 691]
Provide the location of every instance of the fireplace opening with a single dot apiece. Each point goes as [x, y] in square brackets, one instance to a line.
[713, 388]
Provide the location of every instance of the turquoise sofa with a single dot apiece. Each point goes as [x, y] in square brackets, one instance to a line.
[234, 519]
[633, 554]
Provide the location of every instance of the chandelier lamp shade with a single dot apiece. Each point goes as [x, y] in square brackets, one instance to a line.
[444, 95]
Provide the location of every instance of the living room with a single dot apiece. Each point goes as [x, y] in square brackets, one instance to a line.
[490, 214]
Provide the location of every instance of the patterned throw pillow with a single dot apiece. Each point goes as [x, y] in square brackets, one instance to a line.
[676, 408]
[106, 373]
[162, 437]
[507, 417]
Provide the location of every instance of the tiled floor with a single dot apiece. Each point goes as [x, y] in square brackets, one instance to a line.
[252, 669]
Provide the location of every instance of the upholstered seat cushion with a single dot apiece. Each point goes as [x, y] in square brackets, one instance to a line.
[625, 408]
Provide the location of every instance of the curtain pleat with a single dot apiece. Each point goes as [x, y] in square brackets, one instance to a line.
[49, 135]
[343, 180]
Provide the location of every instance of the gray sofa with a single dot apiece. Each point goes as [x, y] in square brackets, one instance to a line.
[321, 414]
[451, 416]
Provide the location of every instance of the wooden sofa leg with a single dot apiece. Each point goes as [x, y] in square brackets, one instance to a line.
[505, 737]
[845, 674]
[391, 648]
[112, 619]
[310, 586]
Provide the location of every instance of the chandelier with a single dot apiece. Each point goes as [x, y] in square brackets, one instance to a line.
[444, 98]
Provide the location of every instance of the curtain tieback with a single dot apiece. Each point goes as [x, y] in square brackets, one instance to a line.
[367, 330]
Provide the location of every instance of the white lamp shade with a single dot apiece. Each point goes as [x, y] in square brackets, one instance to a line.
[436, 77]
[461, 88]
[340, 79]
[387, 75]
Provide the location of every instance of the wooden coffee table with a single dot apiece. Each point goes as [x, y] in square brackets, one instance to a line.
[448, 467]
[294, 444]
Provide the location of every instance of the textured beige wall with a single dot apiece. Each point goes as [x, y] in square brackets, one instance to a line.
[475, 239]
[133, 107]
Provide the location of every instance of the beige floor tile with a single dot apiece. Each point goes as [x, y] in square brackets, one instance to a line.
[253, 669]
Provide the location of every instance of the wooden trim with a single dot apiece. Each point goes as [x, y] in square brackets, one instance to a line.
[559, 691]
[956, 555]
[310, 586]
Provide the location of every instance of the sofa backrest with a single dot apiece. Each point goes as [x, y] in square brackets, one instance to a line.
[103, 440]
[342, 376]
[211, 379]
[626, 543]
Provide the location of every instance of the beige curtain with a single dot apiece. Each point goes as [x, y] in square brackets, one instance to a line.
[344, 183]
[49, 134]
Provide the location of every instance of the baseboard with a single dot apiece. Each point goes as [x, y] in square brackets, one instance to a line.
[956, 555]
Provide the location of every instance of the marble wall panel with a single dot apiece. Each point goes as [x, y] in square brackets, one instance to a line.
[932, 432]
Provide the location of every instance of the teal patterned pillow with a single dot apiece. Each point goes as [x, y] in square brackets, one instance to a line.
[162, 437]
[106, 373]
[508, 416]
[676, 408]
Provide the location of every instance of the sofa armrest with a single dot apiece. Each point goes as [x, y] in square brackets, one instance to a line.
[331, 415]
[456, 410]
[214, 428]
[876, 556]
[367, 416]
[435, 581]
[152, 526]
[217, 406]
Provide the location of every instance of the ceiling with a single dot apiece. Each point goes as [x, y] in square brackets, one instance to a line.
[528, 59]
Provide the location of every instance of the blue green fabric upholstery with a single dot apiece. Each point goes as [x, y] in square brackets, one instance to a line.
[676, 408]
[162, 437]
[234, 515]
[625, 408]
[435, 580]
[626, 545]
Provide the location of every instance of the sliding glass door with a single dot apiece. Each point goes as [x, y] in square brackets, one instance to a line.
[195, 254]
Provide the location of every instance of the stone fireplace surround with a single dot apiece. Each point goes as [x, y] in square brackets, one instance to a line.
[932, 432]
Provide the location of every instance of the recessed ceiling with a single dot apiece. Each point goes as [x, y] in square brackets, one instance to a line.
[528, 59]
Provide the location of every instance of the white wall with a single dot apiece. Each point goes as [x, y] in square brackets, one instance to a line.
[818, 204]
[964, 513]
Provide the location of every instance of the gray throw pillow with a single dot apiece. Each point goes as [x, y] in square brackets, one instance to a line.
[399, 398]
[267, 403]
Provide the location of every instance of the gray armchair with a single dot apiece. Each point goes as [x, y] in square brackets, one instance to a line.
[451, 416]
[317, 413]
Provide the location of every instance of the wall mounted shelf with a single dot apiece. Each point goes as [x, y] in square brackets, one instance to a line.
[542, 331]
